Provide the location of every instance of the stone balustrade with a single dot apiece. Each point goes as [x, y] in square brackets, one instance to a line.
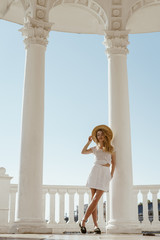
[64, 207]
[150, 218]
[56, 195]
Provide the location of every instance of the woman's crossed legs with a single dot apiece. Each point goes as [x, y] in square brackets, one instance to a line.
[92, 208]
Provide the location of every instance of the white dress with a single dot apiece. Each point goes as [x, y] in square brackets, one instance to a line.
[100, 176]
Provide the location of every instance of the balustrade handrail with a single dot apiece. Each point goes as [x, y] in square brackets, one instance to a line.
[157, 186]
[146, 187]
[15, 187]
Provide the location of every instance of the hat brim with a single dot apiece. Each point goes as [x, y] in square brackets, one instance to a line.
[105, 128]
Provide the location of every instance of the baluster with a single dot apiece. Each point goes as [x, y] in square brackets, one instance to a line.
[12, 206]
[145, 208]
[90, 217]
[81, 193]
[107, 209]
[61, 207]
[71, 193]
[155, 207]
[52, 193]
[101, 221]
[135, 204]
[44, 191]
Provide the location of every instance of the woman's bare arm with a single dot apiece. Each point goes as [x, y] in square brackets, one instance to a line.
[113, 162]
[85, 150]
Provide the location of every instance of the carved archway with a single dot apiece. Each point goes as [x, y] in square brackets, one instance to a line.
[87, 5]
[139, 5]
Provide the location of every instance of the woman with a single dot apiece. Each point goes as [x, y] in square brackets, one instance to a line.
[100, 176]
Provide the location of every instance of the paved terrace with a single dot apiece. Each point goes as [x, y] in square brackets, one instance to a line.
[78, 236]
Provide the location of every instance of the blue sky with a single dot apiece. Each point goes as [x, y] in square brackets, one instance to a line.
[76, 100]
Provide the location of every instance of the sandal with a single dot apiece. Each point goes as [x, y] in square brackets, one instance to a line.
[82, 228]
[97, 230]
[148, 234]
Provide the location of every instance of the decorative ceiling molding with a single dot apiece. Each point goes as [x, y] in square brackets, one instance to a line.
[37, 9]
[141, 4]
[25, 4]
[6, 6]
[116, 15]
[90, 5]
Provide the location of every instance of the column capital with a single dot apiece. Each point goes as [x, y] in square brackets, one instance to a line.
[116, 42]
[35, 31]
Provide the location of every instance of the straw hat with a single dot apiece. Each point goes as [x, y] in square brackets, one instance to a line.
[105, 128]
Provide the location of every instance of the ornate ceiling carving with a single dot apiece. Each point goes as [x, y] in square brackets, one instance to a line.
[140, 4]
[102, 15]
[90, 5]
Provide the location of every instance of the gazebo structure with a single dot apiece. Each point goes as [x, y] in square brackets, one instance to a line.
[115, 19]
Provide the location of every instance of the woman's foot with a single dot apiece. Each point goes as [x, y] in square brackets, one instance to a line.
[97, 230]
[82, 227]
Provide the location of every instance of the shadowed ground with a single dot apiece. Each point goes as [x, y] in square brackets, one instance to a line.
[79, 236]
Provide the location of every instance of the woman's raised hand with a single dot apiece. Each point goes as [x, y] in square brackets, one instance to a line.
[85, 150]
[90, 139]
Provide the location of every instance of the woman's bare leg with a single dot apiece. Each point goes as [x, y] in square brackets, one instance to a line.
[94, 213]
[92, 205]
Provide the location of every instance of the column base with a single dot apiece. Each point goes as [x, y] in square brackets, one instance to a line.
[123, 227]
[30, 226]
[31, 230]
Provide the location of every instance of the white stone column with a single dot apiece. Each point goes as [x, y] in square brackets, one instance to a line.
[30, 203]
[121, 195]
[4, 200]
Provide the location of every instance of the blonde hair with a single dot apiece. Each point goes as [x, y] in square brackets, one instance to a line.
[107, 142]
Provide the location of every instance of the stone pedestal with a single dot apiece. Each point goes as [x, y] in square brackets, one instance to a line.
[4, 200]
